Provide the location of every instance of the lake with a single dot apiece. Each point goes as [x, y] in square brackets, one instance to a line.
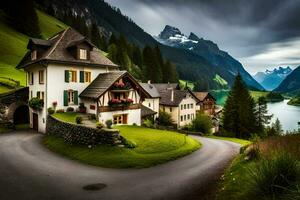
[288, 115]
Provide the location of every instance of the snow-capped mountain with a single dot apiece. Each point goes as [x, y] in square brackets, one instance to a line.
[226, 64]
[271, 79]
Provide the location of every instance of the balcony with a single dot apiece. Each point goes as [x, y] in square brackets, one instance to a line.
[119, 108]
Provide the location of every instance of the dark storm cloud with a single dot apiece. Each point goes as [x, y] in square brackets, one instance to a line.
[251, 30]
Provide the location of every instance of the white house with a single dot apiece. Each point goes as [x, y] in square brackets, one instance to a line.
[66, 65]
[153, 101]
[180, 104]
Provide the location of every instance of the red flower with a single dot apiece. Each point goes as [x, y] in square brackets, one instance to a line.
[129, 100]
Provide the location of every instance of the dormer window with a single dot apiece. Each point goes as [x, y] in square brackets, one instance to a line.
[82, 54]
[33, 55]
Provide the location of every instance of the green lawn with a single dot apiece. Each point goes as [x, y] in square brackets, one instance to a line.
[13, 44]
[153, 147]
[243, 180]
[236, 140]
[190, 84]
[257, 94]
[66, 116]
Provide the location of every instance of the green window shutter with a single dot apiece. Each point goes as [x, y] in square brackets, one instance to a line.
[81, 78]
[66, 102]
[67, 76]
[76, 97]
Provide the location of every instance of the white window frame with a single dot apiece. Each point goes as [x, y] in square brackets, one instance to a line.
[82, 54]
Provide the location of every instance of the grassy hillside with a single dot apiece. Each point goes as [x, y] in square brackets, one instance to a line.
[13, 44]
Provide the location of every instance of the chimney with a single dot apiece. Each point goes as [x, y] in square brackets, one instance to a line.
[172, 94]
[149, 81]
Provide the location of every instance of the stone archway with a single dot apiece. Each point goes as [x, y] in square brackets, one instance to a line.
[18, 113]
[21, 115]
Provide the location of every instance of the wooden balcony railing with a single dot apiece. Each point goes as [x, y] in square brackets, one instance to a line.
[116, 108]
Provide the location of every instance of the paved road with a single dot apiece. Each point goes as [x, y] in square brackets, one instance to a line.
[28, 171]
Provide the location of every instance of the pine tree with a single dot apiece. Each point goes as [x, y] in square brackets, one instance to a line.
[150, 65]
[277, 127]
[263, 119]
[95, 35]
[239, 111]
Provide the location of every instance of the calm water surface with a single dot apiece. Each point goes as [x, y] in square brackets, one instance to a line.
[289, 116]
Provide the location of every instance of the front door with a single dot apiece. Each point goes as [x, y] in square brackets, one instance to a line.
[35, 121]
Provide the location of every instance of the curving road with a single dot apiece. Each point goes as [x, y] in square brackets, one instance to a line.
[29, 171]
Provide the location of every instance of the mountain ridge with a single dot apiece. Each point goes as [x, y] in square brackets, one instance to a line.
[172, 36]
[271, 79]
[291, 84]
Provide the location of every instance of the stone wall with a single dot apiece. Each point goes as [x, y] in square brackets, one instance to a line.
[78, 134]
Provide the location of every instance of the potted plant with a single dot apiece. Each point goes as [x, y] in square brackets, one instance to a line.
[114, 102]
[36, 103]
[82, 108]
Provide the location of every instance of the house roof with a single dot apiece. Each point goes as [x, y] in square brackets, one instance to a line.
[179, 95]
[164, 86]
[57, 51]
[145, 111]
[151, 89]
[103, 82]
[203, 95]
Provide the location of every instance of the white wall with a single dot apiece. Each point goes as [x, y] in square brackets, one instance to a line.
[33, 89]
[57, 84]
[153, 104]
[134, 116]
[188, 111]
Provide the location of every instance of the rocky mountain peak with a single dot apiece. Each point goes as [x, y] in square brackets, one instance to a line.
[193, 36]
[169, 31]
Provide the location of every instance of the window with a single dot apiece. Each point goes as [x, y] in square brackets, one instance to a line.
[40, 95]
[181, 107]
[184, 117]
[170, 109]
[181, 118]
[33, 55]
[192, 106]
[71, 97]
[149, 105]
[30, 78]
[120, 119]
[72, 76]
[184, 106]
[188, 116]
[82, 54]
[188, 106]
[87, 77]
[41, 76]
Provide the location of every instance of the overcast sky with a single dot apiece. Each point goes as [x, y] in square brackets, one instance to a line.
[261, 34]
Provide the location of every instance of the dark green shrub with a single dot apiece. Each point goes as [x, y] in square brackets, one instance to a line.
[148, 123]
[92, 117]
[109, 123]
[99, 125]
[274, 176]
[165, 119]
[70, 109]
[36, 103]
[130, 144]
[78, 120]
[51, 111]
[202, 123]
[60, 111]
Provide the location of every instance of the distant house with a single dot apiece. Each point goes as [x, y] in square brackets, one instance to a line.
[151, 102]
[180, 104]
[68, 69]
[207, 103]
